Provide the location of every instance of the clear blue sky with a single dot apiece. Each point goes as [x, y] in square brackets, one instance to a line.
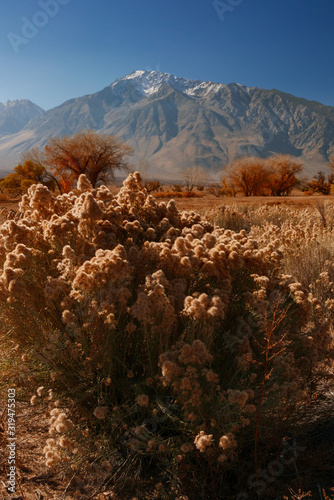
[81, 46]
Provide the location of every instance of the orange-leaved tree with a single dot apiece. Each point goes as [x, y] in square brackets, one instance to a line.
[87, 152]
[249, 175]
[319, 184]
[24, 176]
[90, 153]
[282, 171]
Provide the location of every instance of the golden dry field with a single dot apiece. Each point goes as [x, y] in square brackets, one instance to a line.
[175, 350]
[210, 201]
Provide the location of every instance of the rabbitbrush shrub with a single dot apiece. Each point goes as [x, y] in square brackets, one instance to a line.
[176, 348]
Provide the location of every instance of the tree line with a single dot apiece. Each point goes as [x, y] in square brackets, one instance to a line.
[274, 176]
[98, 156]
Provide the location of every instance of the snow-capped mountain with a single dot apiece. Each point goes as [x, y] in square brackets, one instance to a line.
[175, 122]
[147, 83]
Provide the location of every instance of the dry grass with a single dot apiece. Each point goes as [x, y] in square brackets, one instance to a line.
[178, 353]
[209, 201]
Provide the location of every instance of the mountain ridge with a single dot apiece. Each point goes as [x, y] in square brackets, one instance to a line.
[175, 122]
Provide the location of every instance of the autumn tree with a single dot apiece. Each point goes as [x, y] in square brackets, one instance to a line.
[249, 175]
[24, 176]
[87, 152]
[152, 186]
[193, 176]
[282, 171]
[319, 184]
[11, 184]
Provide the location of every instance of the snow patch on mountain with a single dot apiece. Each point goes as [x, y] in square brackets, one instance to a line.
[150, 82]
[204, 88]
[147, 83]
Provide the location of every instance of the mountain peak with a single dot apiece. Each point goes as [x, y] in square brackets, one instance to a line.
[23, 104]
[14, 115]
[146, 83]
[150, 82]
[136, 74]
[18, 101]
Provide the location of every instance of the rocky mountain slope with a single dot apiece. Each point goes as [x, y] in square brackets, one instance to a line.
[14, 115]
[173, 123]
